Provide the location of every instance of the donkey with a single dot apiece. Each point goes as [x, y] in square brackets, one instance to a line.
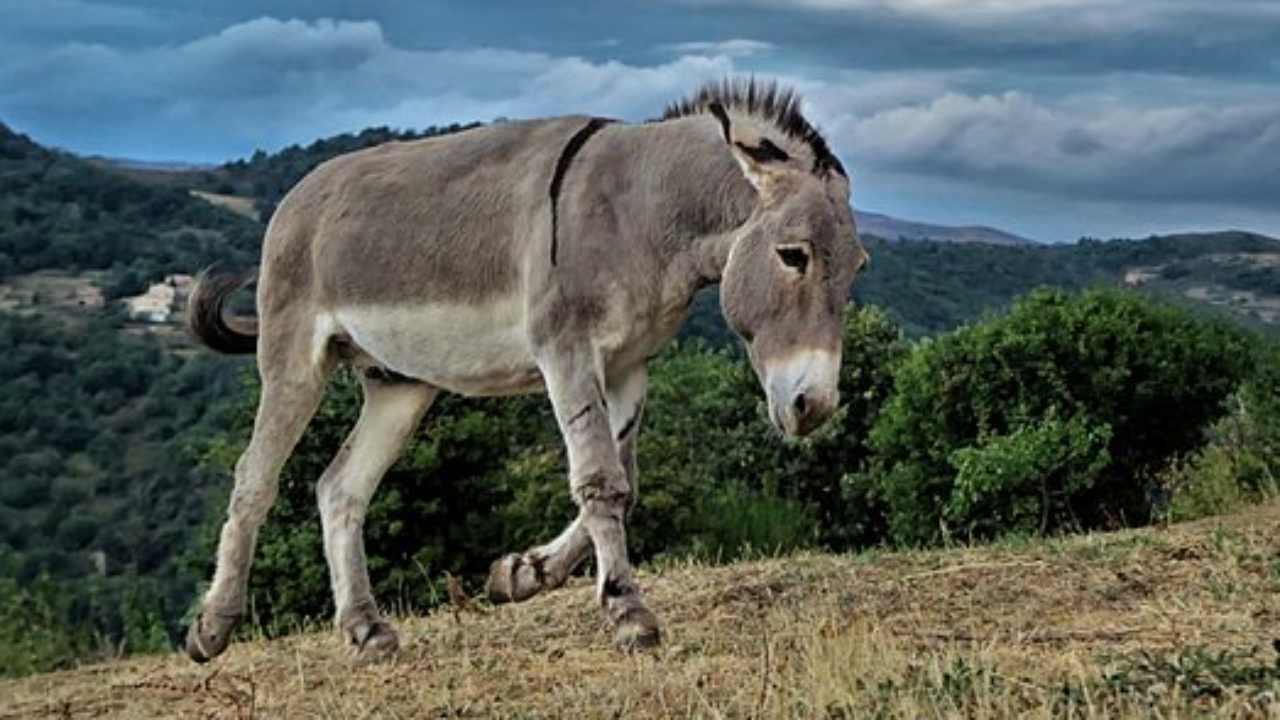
[552, 255]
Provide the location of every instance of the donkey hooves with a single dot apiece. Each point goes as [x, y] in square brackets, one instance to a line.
[210, 634]
[380, 641]
[637, 630]
[511, 579]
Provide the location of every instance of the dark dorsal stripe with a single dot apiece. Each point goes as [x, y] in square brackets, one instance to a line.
[562, 166]
[765, 152]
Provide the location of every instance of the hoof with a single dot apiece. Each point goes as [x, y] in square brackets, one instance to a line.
[637, 630]
[210, 634]
[511, 579]
[376, 642]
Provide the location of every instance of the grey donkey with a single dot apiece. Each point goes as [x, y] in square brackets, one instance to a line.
[552, 255]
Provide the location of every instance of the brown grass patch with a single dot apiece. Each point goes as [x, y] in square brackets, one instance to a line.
[1165, 622]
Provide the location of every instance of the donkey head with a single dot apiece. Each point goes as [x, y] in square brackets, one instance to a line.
[787, 277]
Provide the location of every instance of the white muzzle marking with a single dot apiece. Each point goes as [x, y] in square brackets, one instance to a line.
[803, 390]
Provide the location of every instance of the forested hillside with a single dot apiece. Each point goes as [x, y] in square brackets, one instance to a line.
[58, 211]
[116, 434]
[931, 287]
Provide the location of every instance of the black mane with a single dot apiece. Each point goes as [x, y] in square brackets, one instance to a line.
[764, 100]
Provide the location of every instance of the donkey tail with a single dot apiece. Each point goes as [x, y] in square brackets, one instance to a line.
[206, 321]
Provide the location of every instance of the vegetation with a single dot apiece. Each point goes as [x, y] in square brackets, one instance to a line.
[99, 491]
[1058, 415]
[59, 211]
[932, 287]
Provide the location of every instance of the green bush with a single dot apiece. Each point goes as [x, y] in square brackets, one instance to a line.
[1241, 461]
[35, 634]
[1260, 430]
[746, 523]
[1060, 414]
[1020, 482]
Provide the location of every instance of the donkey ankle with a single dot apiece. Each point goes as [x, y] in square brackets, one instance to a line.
[355, 620]
[619, 598]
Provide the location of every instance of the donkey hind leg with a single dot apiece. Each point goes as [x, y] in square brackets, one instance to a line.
[518, 577]
[600, 488]
[392, 410]
[287, 403]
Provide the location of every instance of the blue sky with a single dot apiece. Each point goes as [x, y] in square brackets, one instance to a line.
[1050, 118]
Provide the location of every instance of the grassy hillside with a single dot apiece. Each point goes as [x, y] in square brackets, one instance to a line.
[1167, 622]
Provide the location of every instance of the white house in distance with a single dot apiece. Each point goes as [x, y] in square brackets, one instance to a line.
[161, 301]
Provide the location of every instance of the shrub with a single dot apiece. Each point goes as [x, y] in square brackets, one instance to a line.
[35, 635]
[1241, 462]
[1021, 481]
[1064, 411]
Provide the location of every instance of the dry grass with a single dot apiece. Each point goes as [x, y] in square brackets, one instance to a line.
[1169, 622]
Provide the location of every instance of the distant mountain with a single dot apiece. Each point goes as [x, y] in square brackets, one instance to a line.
[892, 228]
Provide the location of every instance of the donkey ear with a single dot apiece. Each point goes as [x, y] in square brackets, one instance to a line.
[763, 164]
[761, 160]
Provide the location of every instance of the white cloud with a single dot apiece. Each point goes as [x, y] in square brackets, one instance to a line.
[735, 47]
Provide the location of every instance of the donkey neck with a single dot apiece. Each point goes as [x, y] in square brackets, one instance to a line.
[703, 191]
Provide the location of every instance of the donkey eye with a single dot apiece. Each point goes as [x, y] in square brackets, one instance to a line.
[794, 258]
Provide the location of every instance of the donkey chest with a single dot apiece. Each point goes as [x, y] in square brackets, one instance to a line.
[472, 350]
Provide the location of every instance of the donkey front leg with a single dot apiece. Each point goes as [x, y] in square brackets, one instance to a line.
[391, 412]
[599, 485]
[518, 577]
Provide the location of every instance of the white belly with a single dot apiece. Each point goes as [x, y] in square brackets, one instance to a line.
[472, 350]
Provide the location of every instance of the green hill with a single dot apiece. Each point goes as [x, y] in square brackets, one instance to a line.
[58, 211]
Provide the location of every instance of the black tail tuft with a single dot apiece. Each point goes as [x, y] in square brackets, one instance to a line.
[205, 320]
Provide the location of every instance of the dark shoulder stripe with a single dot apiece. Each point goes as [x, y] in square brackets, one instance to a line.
[562, 166]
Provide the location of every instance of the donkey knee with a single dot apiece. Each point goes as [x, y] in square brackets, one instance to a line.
[603, 491]
[339, 507]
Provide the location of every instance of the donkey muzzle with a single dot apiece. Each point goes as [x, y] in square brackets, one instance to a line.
[803, 391]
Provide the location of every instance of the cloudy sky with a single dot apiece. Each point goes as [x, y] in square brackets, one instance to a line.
[1050, 118]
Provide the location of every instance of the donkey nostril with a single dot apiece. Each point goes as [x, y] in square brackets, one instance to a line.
[801, 404]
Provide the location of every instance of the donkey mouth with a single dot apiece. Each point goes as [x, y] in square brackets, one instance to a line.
[803, 413]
